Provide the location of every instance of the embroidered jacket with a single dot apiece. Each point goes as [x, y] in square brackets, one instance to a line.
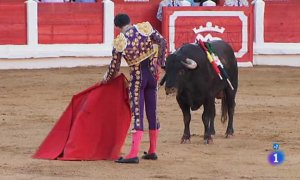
[136, 45]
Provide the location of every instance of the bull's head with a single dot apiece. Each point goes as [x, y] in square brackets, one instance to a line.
[176, 65]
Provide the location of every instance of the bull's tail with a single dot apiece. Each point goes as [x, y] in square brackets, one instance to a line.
[224, 108]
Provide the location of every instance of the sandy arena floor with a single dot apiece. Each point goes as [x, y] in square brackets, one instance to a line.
[268, 110]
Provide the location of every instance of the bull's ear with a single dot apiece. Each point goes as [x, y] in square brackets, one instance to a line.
[189, 63]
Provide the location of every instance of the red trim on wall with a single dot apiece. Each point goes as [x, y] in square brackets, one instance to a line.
[13, 28]
[70, 23]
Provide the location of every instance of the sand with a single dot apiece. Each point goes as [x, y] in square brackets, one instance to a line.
[268, 111]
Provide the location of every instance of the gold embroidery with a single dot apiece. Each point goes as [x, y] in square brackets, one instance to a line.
[142, 57]
[120, 42]
[144, 28]
[130, 33]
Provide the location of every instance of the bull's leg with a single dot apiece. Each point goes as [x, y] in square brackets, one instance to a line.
[186, 119]
[212, 127]
[208, 117]
[231, 106]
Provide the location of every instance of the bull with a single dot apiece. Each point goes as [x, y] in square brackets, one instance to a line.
[190, 75]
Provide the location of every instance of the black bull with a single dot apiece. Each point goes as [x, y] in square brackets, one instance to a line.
[190, 74]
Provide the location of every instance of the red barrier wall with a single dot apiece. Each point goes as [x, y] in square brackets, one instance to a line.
[13, 23]
[139, 12]
[12, 1]
[83, 22]
[77, 23]
[282, 21]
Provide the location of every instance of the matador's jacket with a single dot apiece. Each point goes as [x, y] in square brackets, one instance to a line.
[135, 45]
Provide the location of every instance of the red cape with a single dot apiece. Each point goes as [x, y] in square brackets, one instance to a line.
[93, 127]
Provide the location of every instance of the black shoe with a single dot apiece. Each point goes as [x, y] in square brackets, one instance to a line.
[151, 156]
[134, 160]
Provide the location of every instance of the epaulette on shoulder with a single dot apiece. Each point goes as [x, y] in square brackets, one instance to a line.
[120, 42]
[144, 28]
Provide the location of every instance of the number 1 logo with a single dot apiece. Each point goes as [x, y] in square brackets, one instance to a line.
[276, 158]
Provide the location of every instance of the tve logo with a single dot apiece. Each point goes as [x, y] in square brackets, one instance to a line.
[277, 157]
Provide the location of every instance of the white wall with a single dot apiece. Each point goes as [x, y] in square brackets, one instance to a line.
[285, 54]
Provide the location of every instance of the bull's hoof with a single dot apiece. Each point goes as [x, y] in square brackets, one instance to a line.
[228, 136]
[208, 141]
[229, 132]
[213, 133]
[185, 141]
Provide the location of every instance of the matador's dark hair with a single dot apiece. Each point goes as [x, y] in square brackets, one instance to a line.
[121, 20]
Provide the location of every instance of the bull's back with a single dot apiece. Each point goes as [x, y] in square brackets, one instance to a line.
[224, 51]
[228, 59]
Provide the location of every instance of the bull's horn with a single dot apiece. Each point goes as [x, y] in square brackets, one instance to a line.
[163, 80]
[189, 63]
